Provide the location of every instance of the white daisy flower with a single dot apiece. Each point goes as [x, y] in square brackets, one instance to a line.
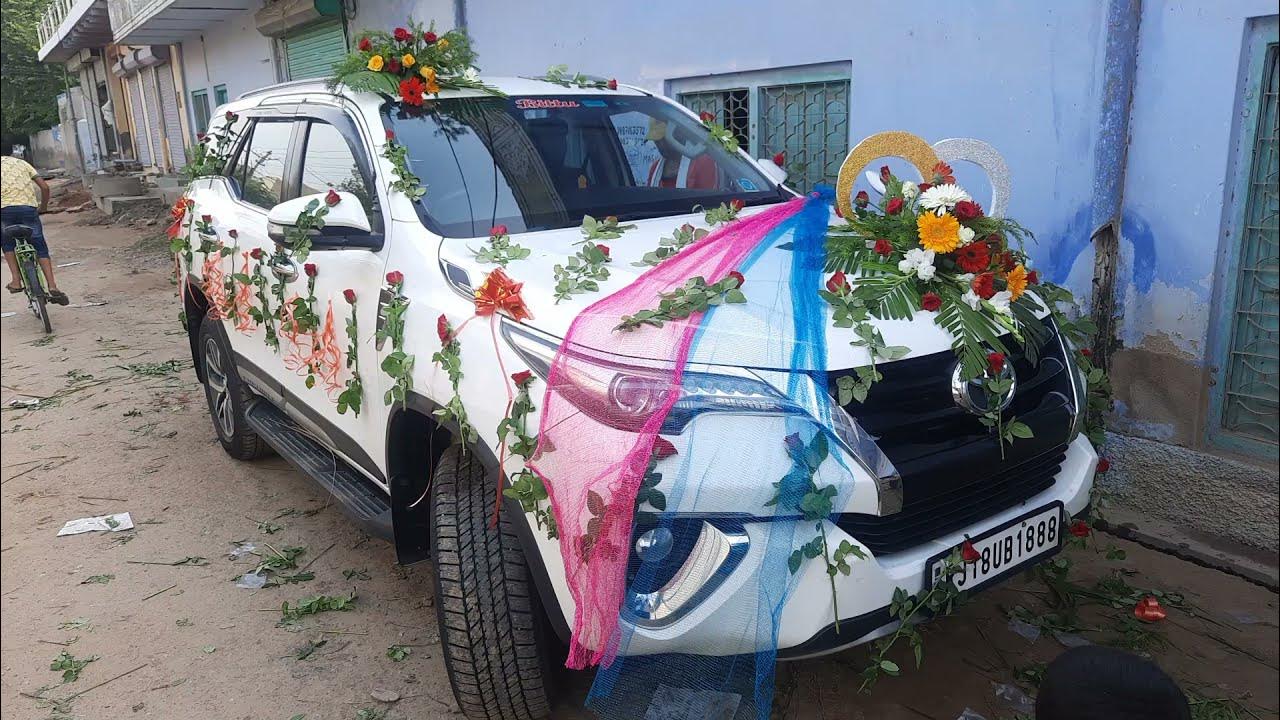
[910, 189]
[971, 299]
[966, 235]
[965, 279]
[1000, 301]
[941, 198]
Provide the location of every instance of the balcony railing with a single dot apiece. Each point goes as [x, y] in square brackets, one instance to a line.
[52, 18]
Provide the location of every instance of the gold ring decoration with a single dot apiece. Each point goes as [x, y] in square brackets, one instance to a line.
[893, 143]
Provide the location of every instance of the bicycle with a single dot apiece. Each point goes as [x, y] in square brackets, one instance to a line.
[33, 283]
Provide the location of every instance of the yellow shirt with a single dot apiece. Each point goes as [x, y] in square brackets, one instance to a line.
[16, 186]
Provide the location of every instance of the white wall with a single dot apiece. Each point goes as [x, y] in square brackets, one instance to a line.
[387, 15]
[231, 53]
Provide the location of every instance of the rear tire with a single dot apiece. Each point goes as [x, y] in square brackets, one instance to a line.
[227, 395]
[496, 639]
[35, 295]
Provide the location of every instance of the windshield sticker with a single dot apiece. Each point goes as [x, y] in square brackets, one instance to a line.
[533, 103]
[594, 103]
[746, 185]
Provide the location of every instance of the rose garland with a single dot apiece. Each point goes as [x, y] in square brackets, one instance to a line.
[229, 278]
[582, 272]
[262, 314]
[526, 487]
[559, 74]
[352, 394]
[405, 182]
[242, 299]
[694, 296]
[449, 357]
[397, 364]
[310, 218]
[500, 250]
[410, 63]
[681, 237]
[718, 132]
[726, 212]
[205, 160]
[606, 229]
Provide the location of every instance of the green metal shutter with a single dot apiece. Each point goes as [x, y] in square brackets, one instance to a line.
[312, 51]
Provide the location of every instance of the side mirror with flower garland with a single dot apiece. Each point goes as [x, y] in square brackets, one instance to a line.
[329, 219]
[410, 63]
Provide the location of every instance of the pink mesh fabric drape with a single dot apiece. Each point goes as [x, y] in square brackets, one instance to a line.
[597, 435]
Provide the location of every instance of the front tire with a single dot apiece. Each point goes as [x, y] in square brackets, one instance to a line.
[227, 396]
[497, 646]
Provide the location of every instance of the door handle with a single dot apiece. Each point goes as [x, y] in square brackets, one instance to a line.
[284, 268]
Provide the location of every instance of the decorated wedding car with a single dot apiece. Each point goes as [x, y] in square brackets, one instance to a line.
[645, 408]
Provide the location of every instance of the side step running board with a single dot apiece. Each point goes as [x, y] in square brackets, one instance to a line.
[361, 499]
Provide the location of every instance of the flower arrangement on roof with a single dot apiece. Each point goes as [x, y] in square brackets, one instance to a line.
[559, 74]
[411, 63]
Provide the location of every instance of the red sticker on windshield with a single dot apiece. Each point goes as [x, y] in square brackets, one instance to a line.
[538, 103]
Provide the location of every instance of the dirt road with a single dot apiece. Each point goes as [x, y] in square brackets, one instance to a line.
[122, 426]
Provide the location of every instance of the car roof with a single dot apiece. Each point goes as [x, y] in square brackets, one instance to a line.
[508, 85]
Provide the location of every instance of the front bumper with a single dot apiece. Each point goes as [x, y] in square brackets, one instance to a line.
[726, 621]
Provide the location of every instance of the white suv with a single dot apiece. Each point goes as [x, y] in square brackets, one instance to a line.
[537, 162]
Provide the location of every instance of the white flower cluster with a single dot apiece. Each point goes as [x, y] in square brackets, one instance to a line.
[941, 198]
[918, 261]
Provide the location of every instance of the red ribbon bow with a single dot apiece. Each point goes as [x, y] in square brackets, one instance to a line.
[500, 294]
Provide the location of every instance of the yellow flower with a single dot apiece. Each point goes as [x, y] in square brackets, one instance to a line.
[443, 43]
[408, 60]
[428, 73]
[375, 63]
[939, 234]
[1017, 281]
[432, 88]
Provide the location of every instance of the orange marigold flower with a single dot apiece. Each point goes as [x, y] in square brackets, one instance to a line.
[939, 234]
[1017, 280]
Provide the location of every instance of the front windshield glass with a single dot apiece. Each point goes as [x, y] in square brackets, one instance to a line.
[539, 163]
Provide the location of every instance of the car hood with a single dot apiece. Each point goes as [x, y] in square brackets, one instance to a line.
[739, 335]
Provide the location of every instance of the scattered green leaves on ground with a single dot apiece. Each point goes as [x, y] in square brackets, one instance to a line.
[70, 666]
[399, 652]
[97, 579]
[371, 714]
[157, 369]
[208, 649]
[79, 623]
[353, 574]
[314, 605]
[305, 651]
[183, 622]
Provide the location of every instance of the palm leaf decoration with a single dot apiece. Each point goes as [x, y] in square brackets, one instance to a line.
[972, 331]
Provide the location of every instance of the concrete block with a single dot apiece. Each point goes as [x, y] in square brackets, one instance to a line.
[119, 204]
[116, 186]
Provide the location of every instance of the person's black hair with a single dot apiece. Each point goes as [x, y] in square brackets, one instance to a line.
[6, 147]
[1101, 683]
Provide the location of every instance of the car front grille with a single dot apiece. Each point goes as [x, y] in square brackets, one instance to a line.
[953, 471]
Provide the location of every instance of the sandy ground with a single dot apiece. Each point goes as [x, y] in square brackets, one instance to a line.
[182, 641]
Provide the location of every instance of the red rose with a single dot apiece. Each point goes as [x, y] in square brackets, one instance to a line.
[779, 159]
[837, 282]
[310, 269]
[442, 329]
[995, 363]
[737, 204]
[984, 286]
[930, 301]
[894, 207]
[968, 210]
[862, 199]
[256, 253]
[1079, 529]
[429, 37]
[395, 277]
[230, 116]
[200, 137]
[393, 65]
[883, 248]
[612, 84]
[662, 448]
[969, 553]
[604, 249]
[365, 45]
[411, 91]
[522, 378]
[1087, 352]
[350, 295]
[189, 203]
[737, 276]
[332, 198]
[1007, 261]
[1033, 278]
[402, 35]
[839, 212]
[233, 234]
[706, 117]
[1148, 610]
[924, 186]
[1103, 465]
[206, 218]
[885, 174]
[497, 230]
[974, 257]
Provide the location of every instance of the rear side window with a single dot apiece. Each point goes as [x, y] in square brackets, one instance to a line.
[329, 162]
[261, 165]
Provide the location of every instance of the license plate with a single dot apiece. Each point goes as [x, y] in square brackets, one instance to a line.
[1006, 548]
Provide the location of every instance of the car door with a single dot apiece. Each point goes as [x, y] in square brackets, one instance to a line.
[331, 154]
[256, 181]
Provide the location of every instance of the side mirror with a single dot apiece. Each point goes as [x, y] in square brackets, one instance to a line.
[772, 170]
[345, 224]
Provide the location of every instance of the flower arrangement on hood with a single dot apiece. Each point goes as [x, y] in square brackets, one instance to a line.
[929, 247]
[410, 64]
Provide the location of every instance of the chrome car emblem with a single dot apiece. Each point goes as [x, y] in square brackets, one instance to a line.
[973, 397]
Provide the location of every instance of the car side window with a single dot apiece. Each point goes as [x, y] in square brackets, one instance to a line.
[263, 159]
[329, 162]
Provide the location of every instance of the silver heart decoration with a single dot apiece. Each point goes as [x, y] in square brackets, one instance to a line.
[986, 157]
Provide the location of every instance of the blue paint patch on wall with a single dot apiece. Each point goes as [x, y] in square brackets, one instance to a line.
[1065, 245]
[1137, 231]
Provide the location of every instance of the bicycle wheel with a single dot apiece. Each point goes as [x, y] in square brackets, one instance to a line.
[35, 294]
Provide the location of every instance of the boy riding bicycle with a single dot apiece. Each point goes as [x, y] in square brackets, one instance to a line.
[18, 206]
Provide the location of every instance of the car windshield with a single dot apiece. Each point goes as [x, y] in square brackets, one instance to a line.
[539, 163]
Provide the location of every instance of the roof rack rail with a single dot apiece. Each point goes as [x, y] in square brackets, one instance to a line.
[280, 86]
